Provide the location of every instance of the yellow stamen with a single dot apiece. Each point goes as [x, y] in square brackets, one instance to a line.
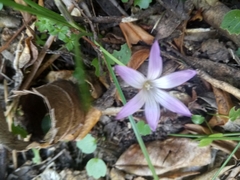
[147, 86]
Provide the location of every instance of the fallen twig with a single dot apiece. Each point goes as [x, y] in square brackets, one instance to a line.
[219, 84]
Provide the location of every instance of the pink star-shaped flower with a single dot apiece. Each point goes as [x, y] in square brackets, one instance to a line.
[151, 89]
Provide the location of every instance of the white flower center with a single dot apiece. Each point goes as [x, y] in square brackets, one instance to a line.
[147, 85]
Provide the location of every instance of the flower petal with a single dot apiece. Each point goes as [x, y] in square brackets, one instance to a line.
[174, 79]
[171, 103]
[130, 76]
[152, 113]
[132, 106]
[155, 62]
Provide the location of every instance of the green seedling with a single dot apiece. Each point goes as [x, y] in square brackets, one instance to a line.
[95, 64]
[123, 55]
[88, 144]
[36, 159]
[143, 128]
[96, 168]
[143, 4]
[60, 30]
[234, 114]
[198, 119]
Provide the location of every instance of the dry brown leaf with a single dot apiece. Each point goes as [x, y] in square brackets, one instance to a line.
[34, 53]
[133, 34]
[224, 104]
[56, 75]
[170, 155]
[215, 121]
[227, 147]
[112, 38]
[91, 119]
[210, 174]
[176, 175]
[197, 129]
[25, 54]
[198, 16]
[115, 174]
[138, 58]
[94, 83]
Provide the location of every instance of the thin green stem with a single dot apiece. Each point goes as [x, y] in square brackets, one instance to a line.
[209, 127]
[138, 136]
[188, 135]
[199, 136]
[226, 161]
[220, 138]
[109, 55]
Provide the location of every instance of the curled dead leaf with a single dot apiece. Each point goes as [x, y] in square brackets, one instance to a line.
[224, 104]
[59, 99]
[138, 58]
[133, 34]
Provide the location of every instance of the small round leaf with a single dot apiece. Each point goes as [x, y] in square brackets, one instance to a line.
[197, 119]
[143, 128]
[88, 144]
[96, 168]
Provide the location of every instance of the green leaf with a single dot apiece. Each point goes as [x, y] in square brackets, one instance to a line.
[96, 167]
[87, 144]
[44, 24]
[46, 123]
[143, 4]
[17, 130]
[197, 119]
[234, 114]
[60, 31]
[205, 142]
[231, 22]
[70, 41]
[95, 63]
[216, 135]
[123, 55]
[143, 128]
[238, 52]
[36, 159]
[1, 6]
[124, 1]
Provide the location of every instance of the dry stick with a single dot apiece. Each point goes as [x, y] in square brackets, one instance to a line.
[86, 13]
[46, 65]
[54, 57]
[36, 65]
[219, 84]
[5, 46]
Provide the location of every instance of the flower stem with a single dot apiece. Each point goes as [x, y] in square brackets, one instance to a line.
[109, 55]
[137, 134]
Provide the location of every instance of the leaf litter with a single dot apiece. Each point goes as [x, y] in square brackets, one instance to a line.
[45, 93]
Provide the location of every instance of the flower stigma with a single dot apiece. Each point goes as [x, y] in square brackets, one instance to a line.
[147, 85]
